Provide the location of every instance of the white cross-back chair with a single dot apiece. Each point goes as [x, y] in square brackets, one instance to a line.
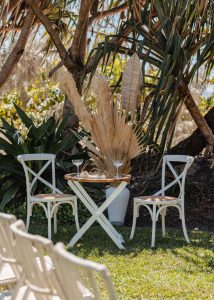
[34, 254]
[159, 202]
[79, 276]
[50, 201]
[11, 273]
[8, 268]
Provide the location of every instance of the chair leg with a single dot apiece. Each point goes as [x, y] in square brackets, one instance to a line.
[163, 215]
[49, 219]
[75, 211]
[135, 215]
[55, 220]
[26, 294]
[184, 226]
[29, 212]
[17, 287]
[153, 226]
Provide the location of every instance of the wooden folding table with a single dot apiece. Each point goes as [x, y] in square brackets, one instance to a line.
[74, 181]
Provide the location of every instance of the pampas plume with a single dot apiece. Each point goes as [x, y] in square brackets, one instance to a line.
[68, 85]
[131, 83]
[111, 136]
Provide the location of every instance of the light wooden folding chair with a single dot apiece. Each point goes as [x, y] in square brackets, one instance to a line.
[11, 277]
[33, 252]
[79, 276]
[50, 201]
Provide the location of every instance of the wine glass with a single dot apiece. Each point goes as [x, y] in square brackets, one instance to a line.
[117, 164]
[77, 163]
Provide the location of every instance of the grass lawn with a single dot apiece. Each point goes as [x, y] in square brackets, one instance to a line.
[174, 270]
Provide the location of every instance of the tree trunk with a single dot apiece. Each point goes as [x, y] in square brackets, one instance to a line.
[79, 43]
[72, 119]
[77, 55]
[195, 143]
[68, 108]
[18, 49]
[67, 61]
[197, 117]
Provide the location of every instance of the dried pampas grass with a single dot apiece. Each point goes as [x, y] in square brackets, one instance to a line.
[131, 84]
[67, 84]
[112, 136]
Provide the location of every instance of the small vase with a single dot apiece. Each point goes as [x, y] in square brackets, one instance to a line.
[117, 209]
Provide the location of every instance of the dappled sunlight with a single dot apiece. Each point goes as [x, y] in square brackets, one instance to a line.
[112, 90]
[173, 269]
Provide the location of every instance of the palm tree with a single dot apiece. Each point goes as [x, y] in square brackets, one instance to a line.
[175, 37]
[55, 16]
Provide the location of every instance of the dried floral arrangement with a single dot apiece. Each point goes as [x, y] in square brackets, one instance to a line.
[112, 136]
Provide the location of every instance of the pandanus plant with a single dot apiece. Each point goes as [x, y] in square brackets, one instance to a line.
[176, 38]
[110, 123]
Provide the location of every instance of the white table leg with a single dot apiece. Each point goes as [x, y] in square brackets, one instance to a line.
[87, 225]
[86, 199]
[96, 208]
[97, 213]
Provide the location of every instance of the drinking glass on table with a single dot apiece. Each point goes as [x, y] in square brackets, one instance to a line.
[117, 164]
[77, 163]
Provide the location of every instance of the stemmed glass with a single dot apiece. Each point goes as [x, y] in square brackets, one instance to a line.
[77, 163]
[117, 164]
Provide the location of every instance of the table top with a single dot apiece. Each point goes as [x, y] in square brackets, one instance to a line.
[96, 178]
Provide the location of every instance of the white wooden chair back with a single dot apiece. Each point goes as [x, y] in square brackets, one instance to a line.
[32, 176]
[7, 243]
[32, 251]
[179, 178]
[79, 276]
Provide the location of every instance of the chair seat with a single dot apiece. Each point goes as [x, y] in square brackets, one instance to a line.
[156, 199]
[53, 197]
[7, 275]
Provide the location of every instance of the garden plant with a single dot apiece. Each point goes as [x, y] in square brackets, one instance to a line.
[115, 80]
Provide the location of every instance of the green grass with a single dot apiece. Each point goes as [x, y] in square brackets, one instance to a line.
[173, 270]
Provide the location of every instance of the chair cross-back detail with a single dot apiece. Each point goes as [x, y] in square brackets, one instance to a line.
[49, 201]
[34, 253]
[158, 203]
[79, 276]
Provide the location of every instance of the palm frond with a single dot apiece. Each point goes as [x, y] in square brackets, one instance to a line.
[174, 37]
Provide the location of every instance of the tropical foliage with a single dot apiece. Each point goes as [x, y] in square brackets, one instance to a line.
[176, 40]
[38, 99]
[45, 138]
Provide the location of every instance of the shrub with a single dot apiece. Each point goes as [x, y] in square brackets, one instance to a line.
[45, 138]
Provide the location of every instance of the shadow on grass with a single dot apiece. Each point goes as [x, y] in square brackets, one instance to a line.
[95, 239]
[173, 270]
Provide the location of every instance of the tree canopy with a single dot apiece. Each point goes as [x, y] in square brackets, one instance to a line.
[174, 37]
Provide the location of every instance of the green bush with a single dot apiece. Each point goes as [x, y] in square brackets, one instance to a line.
[37, 100]
[45, 138]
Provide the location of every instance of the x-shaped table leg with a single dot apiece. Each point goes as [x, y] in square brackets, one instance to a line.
[97, 213]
